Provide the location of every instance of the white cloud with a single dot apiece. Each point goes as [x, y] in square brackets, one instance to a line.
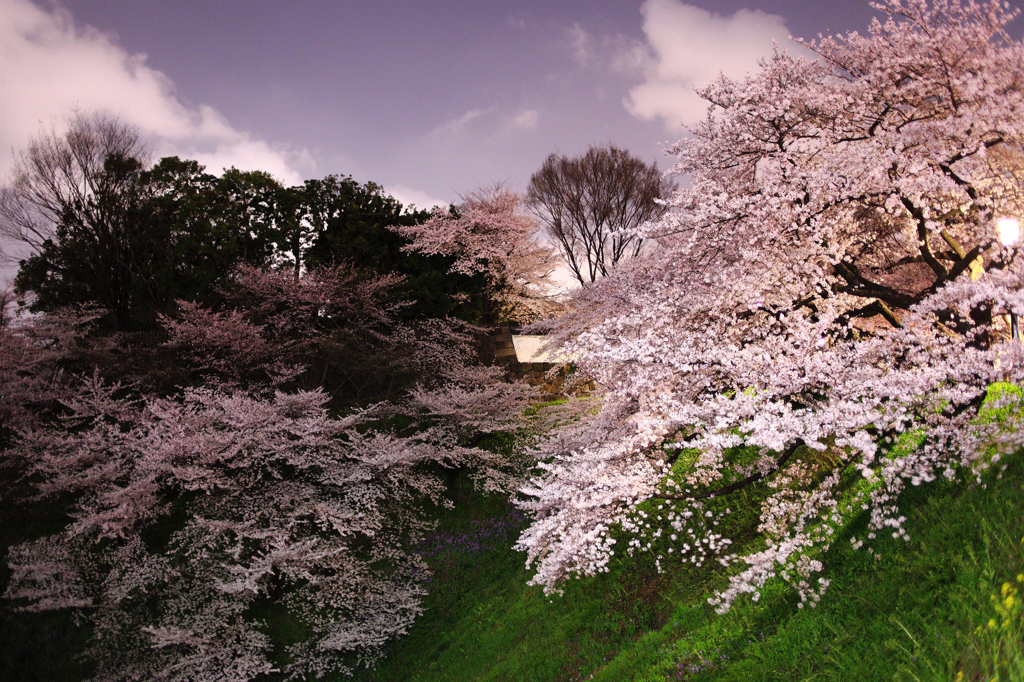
[525, 119]
[688, 46]
[582, 45]
[408, 196]
[50, 66]
[455, 126]
[480, 124]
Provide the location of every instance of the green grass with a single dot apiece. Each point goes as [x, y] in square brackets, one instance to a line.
[910, 615]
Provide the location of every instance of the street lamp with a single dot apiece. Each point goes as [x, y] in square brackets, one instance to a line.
[1009, 233]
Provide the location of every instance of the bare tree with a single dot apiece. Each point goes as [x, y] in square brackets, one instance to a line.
[593, 204]
[58, 176]
[72, 215]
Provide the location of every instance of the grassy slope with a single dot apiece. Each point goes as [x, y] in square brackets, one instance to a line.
[910, 615]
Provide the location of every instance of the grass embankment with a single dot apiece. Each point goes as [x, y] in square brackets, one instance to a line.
[945, 605]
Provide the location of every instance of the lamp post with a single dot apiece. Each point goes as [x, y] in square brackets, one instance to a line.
[1009, 233]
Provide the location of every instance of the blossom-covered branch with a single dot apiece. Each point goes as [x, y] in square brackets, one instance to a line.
[829, 284]
[490, 234]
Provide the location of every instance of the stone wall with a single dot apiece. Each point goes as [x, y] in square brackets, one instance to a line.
[495, 346]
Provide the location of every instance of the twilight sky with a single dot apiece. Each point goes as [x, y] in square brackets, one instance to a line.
[428, 99]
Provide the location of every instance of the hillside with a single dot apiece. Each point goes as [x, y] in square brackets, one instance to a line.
[908, 611]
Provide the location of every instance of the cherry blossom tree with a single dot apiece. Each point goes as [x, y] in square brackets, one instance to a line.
[38, 357]
[490, 233]
[825, 311]
[200, 515]
[333, 327]
[192, 512]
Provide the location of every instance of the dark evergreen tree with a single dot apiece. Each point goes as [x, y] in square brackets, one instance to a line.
[350, 222]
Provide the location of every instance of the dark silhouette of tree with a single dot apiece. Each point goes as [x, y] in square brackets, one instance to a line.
[139, 240]
[592, 206]
[350, 224]
[76, 203]
[201, 227]
[60, 176]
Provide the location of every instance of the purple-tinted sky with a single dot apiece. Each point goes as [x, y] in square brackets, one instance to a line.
[428, 99]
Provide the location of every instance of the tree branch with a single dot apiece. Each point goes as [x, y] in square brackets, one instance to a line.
[862, 287]
[738, 485]
[922, 234]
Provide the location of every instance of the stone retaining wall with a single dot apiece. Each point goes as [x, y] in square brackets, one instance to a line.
[496, 347]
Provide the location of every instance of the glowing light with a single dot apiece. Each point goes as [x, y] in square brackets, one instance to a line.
[1009, 231]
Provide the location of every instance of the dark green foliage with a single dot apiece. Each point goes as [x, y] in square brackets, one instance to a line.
[204, 227]
[145, 239]
[95, 254]
[351, 223]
